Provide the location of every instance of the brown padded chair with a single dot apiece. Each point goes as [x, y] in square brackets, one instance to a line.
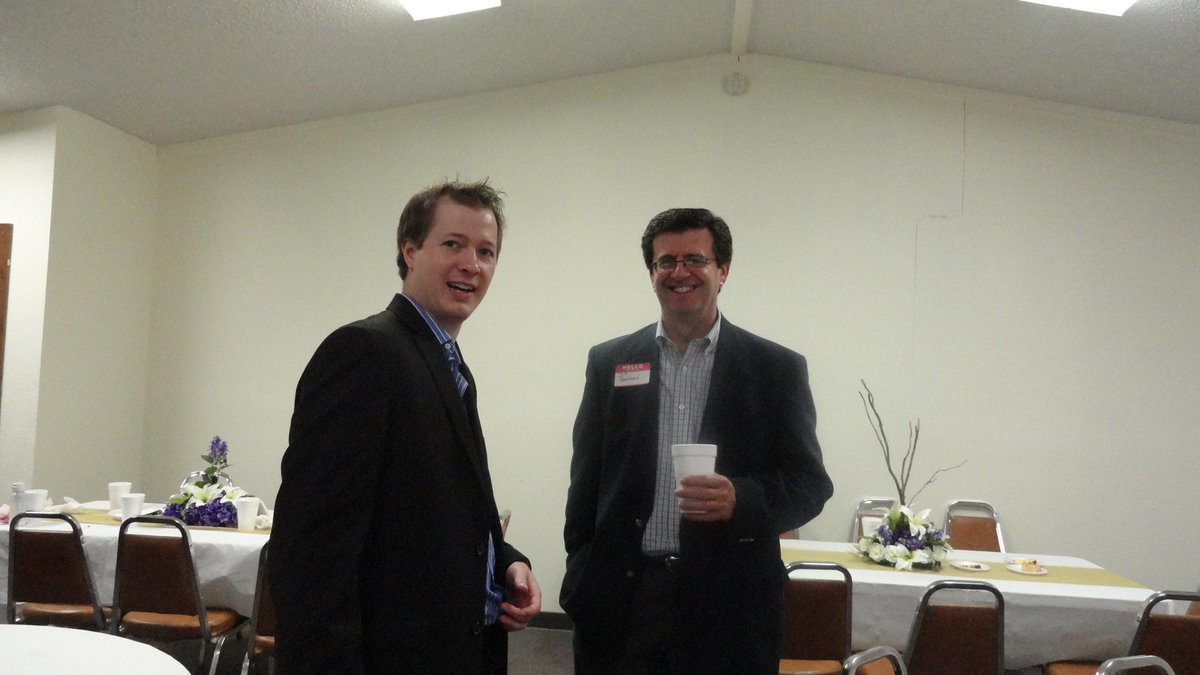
[262, 621]
[816, 620]
[49, 583]
[959, 638]
[869, 661]
[157, 593]
[1174, 638]
[973, 525]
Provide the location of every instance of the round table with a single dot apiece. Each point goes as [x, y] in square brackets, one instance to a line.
[49, 649]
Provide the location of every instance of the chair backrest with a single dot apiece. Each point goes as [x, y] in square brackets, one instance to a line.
[817, 612]
[868, 515]
[156, 573]
[870, 656]
[1175, 638]
[49, 566]
[960, 638]
[262, 620]
[1129, 663]
[974, 525]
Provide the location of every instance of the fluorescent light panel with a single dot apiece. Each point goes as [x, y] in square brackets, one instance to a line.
[1111, 7]
[432, 9]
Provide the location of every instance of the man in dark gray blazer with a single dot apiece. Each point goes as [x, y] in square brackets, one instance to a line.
[661, 580]
[386, 553]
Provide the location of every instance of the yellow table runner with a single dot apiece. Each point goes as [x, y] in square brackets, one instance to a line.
[101, 517]
[1090, 576]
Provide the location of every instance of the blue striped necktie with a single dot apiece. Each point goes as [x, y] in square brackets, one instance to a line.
[455, 367]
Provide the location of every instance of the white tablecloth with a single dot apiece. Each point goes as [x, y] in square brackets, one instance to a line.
[46, 650]
[1043, 621]
[226, 560]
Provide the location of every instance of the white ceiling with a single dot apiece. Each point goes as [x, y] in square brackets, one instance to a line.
[178, 70]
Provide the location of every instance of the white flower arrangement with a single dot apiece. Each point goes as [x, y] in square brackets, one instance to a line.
[905, 540]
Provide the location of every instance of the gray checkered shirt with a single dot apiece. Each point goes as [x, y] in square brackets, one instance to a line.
[682, 394]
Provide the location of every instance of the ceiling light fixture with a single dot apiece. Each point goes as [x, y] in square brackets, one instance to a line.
[1111, 7]
[433, 9]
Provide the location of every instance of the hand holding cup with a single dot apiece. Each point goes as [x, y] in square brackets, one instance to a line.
[704, 495]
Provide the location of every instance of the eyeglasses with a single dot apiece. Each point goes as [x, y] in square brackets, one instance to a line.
[692, 262]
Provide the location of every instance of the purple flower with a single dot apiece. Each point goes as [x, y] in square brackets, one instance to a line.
[218, 450]
[215, 513]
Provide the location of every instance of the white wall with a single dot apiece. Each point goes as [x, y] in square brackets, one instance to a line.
[97, 323]
[1017, 274]
[26, 191]
[82, 197]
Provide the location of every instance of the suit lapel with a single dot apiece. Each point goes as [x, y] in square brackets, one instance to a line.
[460, 409]
[726, 369]
[478, 452]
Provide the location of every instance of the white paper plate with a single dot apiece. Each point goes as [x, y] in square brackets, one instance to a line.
[1018, 570]
[969, 566]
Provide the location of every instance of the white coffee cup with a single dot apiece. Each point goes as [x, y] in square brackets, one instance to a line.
[34, 500]
[247, 508]
[115, 490]
[131, 504]
[693, 459]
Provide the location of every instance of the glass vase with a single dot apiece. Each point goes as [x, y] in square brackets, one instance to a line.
[197, 476]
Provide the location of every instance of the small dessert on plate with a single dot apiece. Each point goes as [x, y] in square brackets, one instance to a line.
[969, 566]
[1026, 566]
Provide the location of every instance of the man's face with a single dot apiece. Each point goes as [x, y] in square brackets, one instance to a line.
[686, 293]
[449, 274]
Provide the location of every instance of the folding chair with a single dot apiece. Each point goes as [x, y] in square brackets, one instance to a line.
[973, 525]
[49, 582]
[1174, 638]
[868, 515]
[816, 614]
[959, 638]
[505, 516]
[869, 658]
[157, 593]
[1127, 663]
[262, 622]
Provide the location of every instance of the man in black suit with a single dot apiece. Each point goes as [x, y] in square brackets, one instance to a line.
[386, 553]
[652, 590]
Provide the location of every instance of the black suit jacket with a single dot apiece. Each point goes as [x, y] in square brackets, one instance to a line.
[761, 416]
[379, 542]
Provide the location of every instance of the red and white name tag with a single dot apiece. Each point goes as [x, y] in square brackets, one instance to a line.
[631, 374]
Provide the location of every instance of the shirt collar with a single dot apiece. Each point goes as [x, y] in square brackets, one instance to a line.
[439, 333]
[709, 339]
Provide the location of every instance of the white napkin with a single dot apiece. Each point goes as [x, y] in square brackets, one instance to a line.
[69, 505]
[262, 521]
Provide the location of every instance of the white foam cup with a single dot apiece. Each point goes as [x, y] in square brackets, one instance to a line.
[247, 508]
[34, 500]
[131, 504]
[115, 490]
[693, 459]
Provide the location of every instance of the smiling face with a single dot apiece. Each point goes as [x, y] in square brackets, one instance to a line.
[450, 272]
[688, 297]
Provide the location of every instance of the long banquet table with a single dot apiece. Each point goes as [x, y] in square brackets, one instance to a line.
[1078, 610]
[226, 558]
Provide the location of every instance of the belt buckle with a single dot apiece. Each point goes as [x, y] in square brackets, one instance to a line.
[671, 562]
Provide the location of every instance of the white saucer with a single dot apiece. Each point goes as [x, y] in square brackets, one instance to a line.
[1018, 570]
[969, 566]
